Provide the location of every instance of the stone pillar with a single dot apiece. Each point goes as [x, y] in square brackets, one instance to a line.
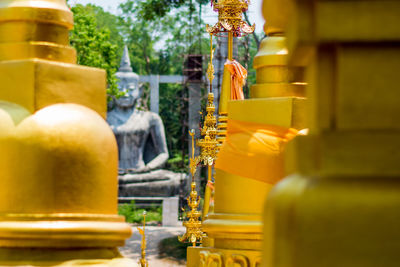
[154, 93]
[58, 157]
[340, 206]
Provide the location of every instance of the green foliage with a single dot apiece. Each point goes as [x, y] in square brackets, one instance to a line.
[173, 111]
[93, 44]
[133, 214]
[178, 164]
[171, 247]
[155, 9]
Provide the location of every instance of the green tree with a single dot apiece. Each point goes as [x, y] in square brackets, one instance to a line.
[93, 44]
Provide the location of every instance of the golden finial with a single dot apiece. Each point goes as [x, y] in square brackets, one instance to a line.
[193, 233]
[209, 148]
[230, 18]
[143, 262]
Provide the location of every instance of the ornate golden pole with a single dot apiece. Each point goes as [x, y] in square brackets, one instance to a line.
[209, 145]
[143, 262]
[194, 232]
[230, 24]
[230, 45]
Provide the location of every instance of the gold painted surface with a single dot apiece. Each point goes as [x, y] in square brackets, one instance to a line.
[327, 154]
[277, 14]
[338, 96]
[351, 222]
[41, 50]
[37, 83]
[65, 193]
[283, 108]
[46, 11]
[58, 162]
[272, 52]
[35, 29]
[268, 90]
[29, 32]
[34, 47]
[225, 92]
[228, 187]
[374, 108]
[339, 208]
[52, 142]
[51, 257]
[224, 98]
[274, 77]
[373, 21]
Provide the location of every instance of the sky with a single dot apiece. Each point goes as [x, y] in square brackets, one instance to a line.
[209, 16]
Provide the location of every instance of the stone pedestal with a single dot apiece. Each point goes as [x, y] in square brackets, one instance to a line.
[159, 183]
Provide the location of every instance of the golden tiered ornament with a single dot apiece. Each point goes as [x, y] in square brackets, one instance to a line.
[208, 154]
[230, 24]
[230, 18]
[194, 232]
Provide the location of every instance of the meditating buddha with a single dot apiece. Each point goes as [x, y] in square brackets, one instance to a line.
[141, 141]
[140, 134]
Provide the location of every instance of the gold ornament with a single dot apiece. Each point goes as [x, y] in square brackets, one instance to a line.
[194, 232]
[230, 18]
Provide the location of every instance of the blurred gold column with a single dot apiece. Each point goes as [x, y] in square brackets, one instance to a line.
[236, 223]
[340, 206]
[58, 157]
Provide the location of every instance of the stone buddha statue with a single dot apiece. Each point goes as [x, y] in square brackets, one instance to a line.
[141, 140]
[140, 134]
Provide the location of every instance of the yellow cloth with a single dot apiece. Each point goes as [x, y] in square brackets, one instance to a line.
[254, 150]
[238, 79]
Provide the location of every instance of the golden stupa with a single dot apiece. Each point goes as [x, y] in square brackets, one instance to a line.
[58, 156]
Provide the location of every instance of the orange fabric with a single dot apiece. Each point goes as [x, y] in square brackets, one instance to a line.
[239, 75]
[254, 150]
[210, 184]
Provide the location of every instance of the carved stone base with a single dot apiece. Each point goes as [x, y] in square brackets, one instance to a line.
[159, 183]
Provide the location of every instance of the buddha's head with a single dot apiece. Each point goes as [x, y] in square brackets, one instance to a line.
[128, 83]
